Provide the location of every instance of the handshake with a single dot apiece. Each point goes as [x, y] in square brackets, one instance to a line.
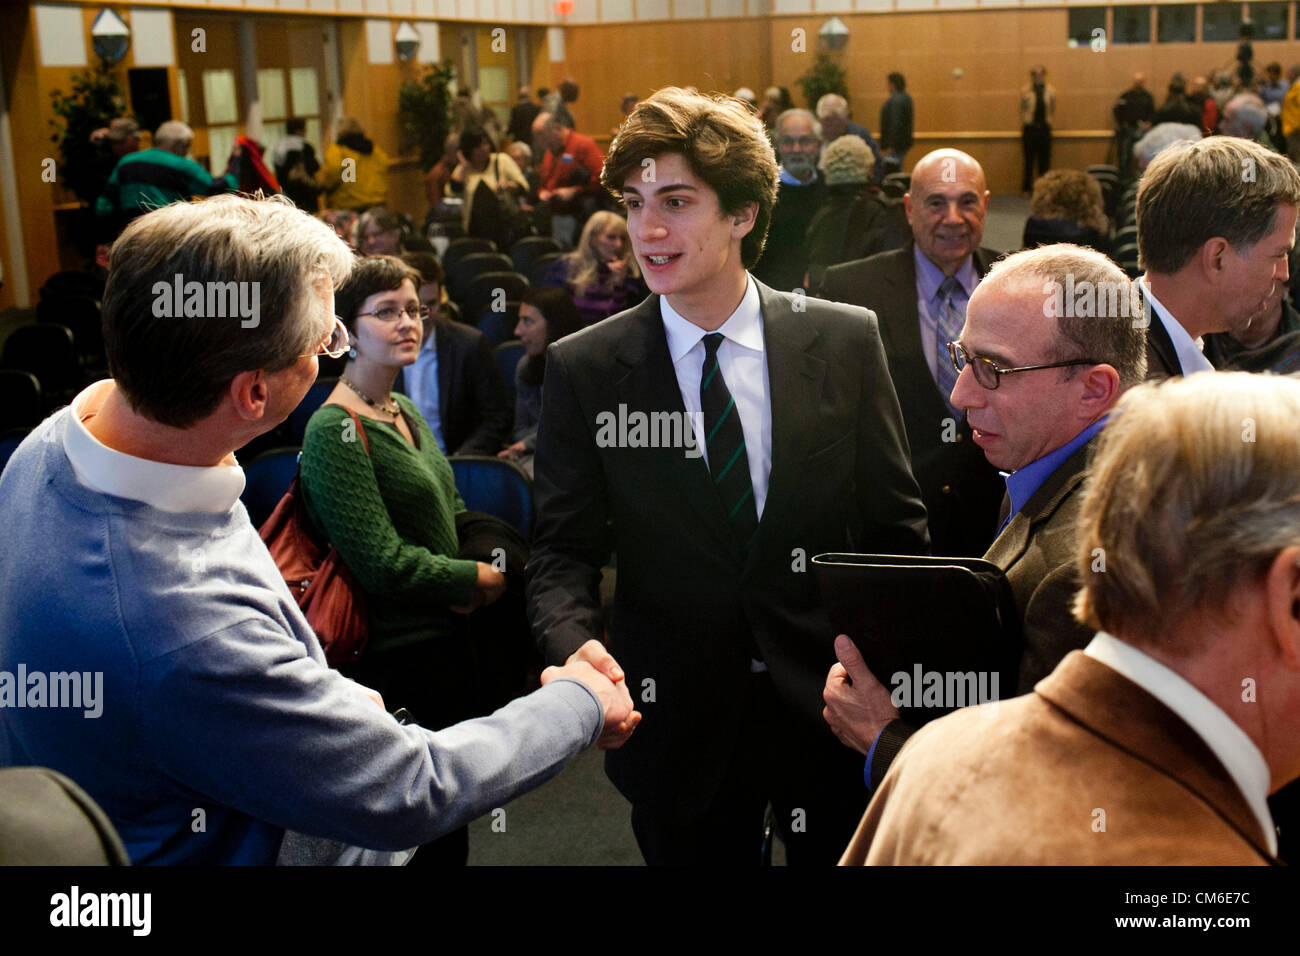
[594, 666]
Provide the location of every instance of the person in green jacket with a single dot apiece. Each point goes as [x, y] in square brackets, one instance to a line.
[391, 513]
[156, 177]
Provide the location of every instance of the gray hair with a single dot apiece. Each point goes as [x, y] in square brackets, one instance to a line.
[172, 134]
[173, 365]
[1162, 136]
[832, 104]
[1106, 330]
[1193, 491]
[1244, 115]
[816, 123]
[1220, 187]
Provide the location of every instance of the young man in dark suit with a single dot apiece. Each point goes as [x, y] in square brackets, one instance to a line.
[919, 294]
[788, 442]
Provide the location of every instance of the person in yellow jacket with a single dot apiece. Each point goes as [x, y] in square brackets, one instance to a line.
[1291, 114]
[354, 171]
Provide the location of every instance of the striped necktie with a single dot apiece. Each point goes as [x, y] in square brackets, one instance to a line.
[725, 443]
[950, 317]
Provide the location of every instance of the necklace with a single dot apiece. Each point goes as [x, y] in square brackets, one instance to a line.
[395, 410]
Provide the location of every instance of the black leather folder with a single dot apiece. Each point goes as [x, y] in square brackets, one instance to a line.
[939, 633]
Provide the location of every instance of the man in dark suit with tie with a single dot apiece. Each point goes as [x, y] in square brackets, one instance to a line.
[1216, 219]
[455, 382]
[773, 434]
[919, 294]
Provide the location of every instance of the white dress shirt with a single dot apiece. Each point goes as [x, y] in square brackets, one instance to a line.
[174, 488]
[1232, 745]
[743, 361]
[1190, 357]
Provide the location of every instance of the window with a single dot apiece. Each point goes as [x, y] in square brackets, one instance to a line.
[1132, 25]
[1220, 22]
[1176, 24]
[1083, 21]
[1269, 20]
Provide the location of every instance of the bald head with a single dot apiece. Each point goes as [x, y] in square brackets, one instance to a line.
[946, 206]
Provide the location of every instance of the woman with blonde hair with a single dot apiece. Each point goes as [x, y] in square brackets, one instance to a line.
[601, 273]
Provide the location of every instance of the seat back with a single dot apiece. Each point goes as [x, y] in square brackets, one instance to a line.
[48, 352]
[496, 486]
[47, 820]
[20, 399]
[540, 266]
[314, 399]
[526, 251]
[9, 442]
[492, 288]
[475, 264]
[266, 478]
[498, 327]
[458, 249]
[507, 356]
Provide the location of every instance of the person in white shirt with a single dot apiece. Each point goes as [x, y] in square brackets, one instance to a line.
[1216, 219]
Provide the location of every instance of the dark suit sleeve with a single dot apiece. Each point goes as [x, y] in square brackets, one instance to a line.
[885, 749]
[570, 538]
[492, 412]
[893, 517]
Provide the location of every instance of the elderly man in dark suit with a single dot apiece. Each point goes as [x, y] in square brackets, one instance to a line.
[919, 294]
[1040, 370]
[1216, 219]
[1160, 742]
[773, 434]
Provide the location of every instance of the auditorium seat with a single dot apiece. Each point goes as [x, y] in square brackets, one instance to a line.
[296, 426]
[489, 288]
[462, 247]
[48, 352]
[497, 486]
[507, 356]
[20, 399]
[9, 442]
[527, 250]
[498, 327]
[537, 271]
[267, 477]
[474, 264]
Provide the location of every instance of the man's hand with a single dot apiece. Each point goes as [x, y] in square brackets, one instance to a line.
[565, 193]
[491, 584]
[620, 718]
[594, 653]
[857, 705]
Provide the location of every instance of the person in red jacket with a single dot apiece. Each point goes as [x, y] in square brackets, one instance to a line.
[570, 165]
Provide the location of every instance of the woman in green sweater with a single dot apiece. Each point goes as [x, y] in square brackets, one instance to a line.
[392, 512]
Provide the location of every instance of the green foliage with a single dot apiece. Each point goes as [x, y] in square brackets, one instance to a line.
[422, 106]
[824, 76]
[96, 100]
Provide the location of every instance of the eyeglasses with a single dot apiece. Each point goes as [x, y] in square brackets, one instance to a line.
[988, 373]
[336, 344]
[391, 313]
[803, 142]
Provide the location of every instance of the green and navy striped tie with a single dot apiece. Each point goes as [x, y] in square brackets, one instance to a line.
[725, 443]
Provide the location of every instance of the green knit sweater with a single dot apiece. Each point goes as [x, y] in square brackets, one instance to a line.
[392, 516]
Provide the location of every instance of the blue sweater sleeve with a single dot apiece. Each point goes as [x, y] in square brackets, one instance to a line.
[247, 718]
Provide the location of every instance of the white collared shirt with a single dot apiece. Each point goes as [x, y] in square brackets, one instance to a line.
[1190, 357]
[1232, 745]
[174, 488]
[743, 361]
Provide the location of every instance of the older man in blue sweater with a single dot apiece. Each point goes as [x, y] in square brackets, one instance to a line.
[129, 566]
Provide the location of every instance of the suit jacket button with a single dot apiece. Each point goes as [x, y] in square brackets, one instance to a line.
[947, 489]
[960, 436]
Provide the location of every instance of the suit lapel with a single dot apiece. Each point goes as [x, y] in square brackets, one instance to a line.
[646, 380]
[795, 378]
[1012, 543]
[1120, 711]
[1162, 357]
